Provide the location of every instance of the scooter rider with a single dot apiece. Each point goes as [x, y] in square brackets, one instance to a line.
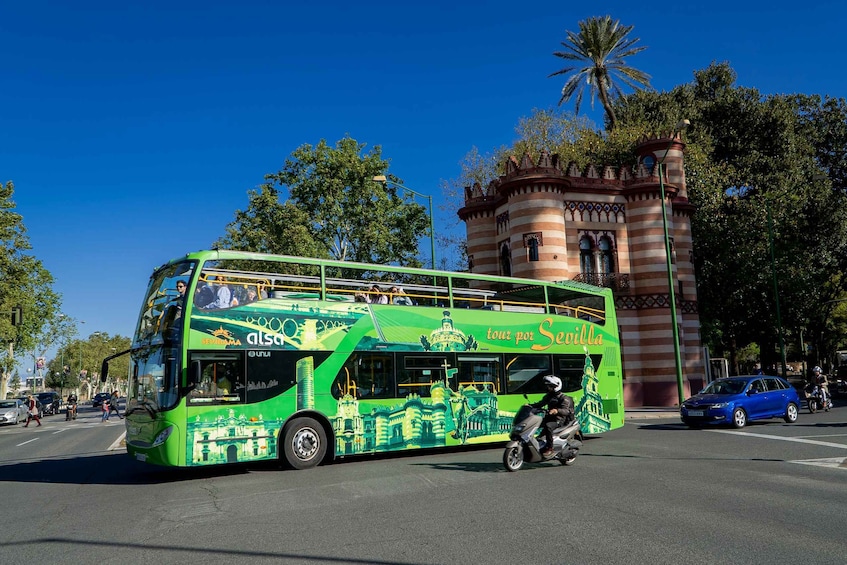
[819, 380]
[560, 410]
[70, 412]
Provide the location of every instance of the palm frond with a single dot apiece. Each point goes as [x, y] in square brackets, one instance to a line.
[604, 44]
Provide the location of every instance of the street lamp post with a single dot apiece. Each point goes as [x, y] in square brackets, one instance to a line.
[681, 125]
[80, 351]
[384, 180]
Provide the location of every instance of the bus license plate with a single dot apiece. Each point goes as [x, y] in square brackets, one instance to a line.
[695, 413]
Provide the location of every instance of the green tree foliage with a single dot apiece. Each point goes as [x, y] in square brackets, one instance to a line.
[334, 209]
[599, 49]
[80, 360]
[23, 281]
[759, 169]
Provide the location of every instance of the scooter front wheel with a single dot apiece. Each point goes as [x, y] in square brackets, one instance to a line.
[513, 458]
[568, 458]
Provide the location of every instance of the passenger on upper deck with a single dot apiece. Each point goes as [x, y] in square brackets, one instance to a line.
[400, 297]
[222, 295]
[376, 296]
[203, 295]
[252, 296]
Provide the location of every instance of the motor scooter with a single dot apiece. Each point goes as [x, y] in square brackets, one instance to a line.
[524, 447]
[815, 400]
[70, 412]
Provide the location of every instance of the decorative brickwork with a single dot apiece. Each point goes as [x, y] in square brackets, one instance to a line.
[601, 225]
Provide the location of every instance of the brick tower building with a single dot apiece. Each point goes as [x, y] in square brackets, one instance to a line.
[603, 227]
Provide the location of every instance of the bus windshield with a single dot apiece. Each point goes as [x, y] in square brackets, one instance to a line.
[154, 382]
[164, 302]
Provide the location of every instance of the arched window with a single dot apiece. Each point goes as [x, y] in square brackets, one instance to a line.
[586, 255]
[649, 162]
[607, 257]
[505, 261]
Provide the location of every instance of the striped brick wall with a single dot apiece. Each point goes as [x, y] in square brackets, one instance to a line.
[563, 205]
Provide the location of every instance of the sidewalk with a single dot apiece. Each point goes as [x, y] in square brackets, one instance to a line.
[651, 412]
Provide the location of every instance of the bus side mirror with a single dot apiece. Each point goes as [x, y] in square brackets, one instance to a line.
[104, 371]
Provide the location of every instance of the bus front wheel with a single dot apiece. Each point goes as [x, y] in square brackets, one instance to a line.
[304, 443]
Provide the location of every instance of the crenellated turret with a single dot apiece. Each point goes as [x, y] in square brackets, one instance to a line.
[600, 224]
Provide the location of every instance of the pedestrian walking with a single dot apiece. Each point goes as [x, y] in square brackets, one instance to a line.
[104, 408]
[113, 404]
[32, 410]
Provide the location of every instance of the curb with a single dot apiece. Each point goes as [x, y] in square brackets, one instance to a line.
[651, 413]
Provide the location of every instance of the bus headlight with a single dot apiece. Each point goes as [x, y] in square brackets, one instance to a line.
[162, 437]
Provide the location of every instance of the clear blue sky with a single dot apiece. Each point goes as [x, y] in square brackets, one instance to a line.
[132, 130]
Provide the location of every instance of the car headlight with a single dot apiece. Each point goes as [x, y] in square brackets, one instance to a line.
[720, 405]
[9, 415]
[163, 436]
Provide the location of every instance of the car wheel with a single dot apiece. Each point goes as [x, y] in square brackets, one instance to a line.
[791, 413]
[305, 443]
[739, 418]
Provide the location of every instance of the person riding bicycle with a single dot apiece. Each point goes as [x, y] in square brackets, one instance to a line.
[560, 410]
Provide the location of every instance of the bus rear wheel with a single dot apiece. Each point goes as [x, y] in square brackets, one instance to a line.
[304, 443]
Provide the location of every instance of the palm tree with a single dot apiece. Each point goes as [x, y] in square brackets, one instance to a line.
[602, 44]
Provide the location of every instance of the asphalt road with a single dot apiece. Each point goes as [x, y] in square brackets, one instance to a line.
[652, 491]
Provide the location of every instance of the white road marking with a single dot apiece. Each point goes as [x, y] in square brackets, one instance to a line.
[27, 441]
[794, 439]
[834, 462]
[117, 443]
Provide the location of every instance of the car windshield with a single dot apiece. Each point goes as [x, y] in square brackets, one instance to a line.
[729, 386]
[7, 404]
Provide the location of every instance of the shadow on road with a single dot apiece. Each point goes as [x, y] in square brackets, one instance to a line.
[175, 554]
[111, 469]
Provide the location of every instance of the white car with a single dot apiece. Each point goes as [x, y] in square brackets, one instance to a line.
[12, 411]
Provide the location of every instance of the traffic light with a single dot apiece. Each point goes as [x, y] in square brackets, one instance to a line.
[17, 315]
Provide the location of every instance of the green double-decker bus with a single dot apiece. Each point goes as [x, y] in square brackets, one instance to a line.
[242, 357]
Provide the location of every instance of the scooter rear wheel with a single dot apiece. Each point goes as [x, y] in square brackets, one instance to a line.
[513, 458]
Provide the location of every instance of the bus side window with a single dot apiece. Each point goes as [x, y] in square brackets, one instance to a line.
[219, 380]
[366, 376]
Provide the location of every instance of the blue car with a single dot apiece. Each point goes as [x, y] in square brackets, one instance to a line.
[738, 400]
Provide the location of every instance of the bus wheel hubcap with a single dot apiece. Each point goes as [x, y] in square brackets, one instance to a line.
[305, 443]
